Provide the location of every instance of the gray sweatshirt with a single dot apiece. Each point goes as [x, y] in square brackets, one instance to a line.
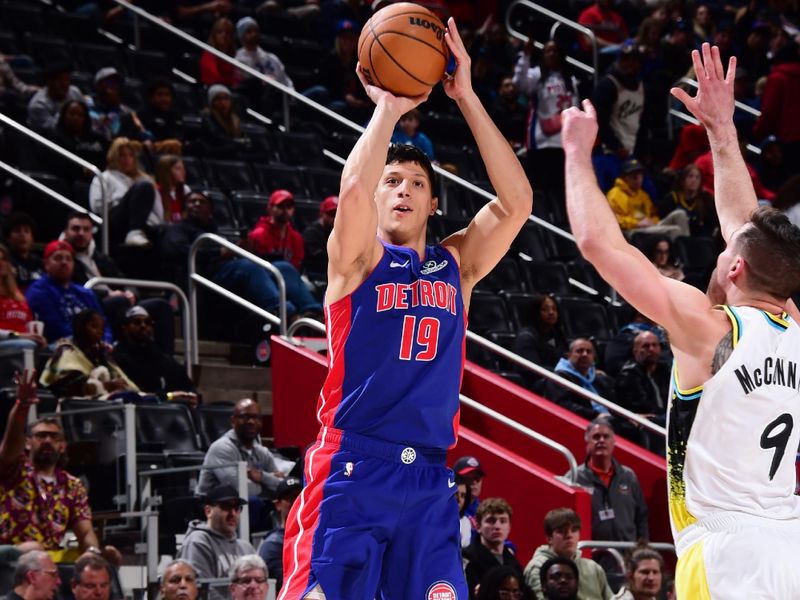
[212, 554]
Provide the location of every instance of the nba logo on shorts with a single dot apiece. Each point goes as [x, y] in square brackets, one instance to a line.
[441, 590]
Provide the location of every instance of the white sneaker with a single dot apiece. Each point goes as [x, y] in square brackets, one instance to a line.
[136, 237]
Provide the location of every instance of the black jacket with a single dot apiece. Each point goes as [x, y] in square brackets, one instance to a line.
[176, 241]
[481, 561]
[634, 388]
[151, 369]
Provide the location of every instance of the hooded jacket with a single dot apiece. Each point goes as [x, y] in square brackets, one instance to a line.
[778, 104]
[592, 583]
[630, 207]
[211, 553]
[269, 240]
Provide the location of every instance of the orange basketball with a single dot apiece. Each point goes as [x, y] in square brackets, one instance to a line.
[402, 49]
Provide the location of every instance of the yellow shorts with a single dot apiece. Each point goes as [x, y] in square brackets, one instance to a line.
[740, 560]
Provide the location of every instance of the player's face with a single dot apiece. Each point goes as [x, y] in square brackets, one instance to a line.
[405, 201]
[720, 282]
[600, 442]
[495, 528]
[646, 579]
[564, 540]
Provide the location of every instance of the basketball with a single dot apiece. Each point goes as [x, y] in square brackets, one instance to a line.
[402, 49]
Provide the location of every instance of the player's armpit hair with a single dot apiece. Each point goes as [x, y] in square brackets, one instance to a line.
[722, 352]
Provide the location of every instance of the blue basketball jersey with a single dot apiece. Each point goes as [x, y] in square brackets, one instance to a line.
[396, 348]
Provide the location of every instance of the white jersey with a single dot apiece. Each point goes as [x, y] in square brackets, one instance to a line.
[732, 442]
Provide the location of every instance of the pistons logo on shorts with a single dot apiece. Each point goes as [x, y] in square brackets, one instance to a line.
[441, 590]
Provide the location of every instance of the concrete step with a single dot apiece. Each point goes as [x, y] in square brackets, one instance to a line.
[231, 395]
[212, 374]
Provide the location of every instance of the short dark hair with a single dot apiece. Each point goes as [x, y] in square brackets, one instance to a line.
[157, 84]
[557, 560]
[17, 219]
[493, 506]
[602, 419]
[91, 561]
[45, 421]
[640, 553]
[78, 214]
[400, 153]
[558, 518]
[771, 247]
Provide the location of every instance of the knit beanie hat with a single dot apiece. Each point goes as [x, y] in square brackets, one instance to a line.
[243, 24]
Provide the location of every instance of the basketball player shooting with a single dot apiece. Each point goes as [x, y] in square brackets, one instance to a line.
[734, 405]
[378, 517]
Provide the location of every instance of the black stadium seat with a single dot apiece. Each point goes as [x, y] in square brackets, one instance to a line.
[488, 311]
[584, 318]
[167, 428]
[505, 277]
[229, 175]
[547, 277]
[212, 421]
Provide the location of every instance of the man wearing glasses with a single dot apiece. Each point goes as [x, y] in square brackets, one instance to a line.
[243, 443]
[35, 578]
[249, 578]
[212, 547]
[39, 501]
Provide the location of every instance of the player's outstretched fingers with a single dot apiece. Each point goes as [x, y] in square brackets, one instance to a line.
[708, 61]
[588, 108]
[699, 68]
[731, 76]
[717, 58]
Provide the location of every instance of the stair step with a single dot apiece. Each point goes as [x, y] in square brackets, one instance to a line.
[231, 395]
[211, 374]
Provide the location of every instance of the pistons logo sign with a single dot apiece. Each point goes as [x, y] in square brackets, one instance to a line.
[441, 590]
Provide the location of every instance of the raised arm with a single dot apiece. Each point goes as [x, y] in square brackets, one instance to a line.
[13, 443]
[352, 246]
[672, 304]
[713, 106]
[487, 238]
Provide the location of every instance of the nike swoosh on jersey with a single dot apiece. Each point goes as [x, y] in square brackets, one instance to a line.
[451, 483]
[397, 264]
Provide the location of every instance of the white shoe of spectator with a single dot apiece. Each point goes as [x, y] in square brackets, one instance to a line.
[136, 237]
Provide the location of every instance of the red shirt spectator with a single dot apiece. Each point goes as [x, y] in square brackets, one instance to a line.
[14, 314]
[274, 234]
[778, 108]
[692, 142]
[706, 166]
[607, 24]
[215, 70]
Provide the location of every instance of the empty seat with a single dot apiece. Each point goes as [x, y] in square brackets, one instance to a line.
[166, 428]
[195, 177]
[322, 182]
[584, 318]
[529, 242]
[301, 149]
[46, 49]
[521, 307]
[229, 175]
[93, 57]
[212, 420]
[224, 213]
[147, 64]
[488, 311]
[505, 277]
[547, 277]
[697, 252]
[101, 431]
[250, 207]
[278, 176]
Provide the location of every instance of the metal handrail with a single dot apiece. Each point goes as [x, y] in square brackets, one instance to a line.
[524, 363]
[241, 486]
[740, 105]
[690, 119]
[157, 285]
[129, 420]
[49, 191]
[530, 366]
[74, 158]
[528, 432]
[660, 546]
[560, 20]
[288, 92]
[195, 279]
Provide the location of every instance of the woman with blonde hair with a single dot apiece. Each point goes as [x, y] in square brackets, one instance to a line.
[171, 186]
[215, 70]
[14, 311]
[130, 195]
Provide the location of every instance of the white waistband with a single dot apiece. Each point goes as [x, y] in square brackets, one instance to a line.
[728, 521]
